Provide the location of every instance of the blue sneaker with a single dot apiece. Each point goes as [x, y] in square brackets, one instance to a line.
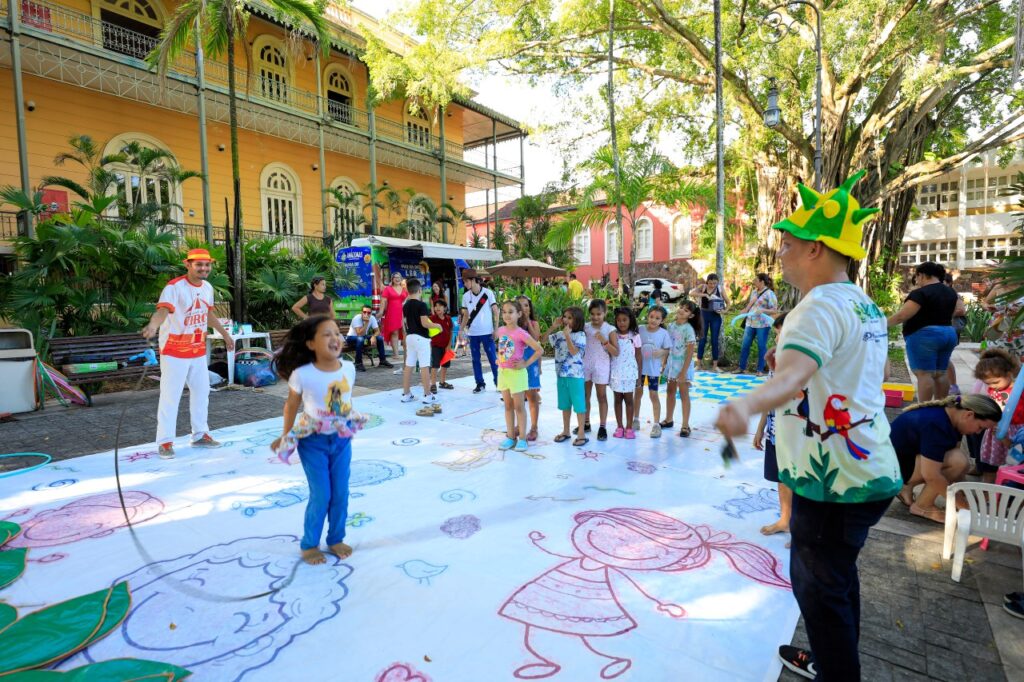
[521, 445]
[507, 444]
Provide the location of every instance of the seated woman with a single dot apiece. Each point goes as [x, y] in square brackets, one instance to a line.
[927, 441]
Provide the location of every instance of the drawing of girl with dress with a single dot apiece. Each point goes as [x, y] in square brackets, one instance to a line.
[576, 597]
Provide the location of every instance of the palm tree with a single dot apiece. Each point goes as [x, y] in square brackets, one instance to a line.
[346, 203]
[429, 216]
[382, 198]
[218, 25]
[87, 154]
[644, 177]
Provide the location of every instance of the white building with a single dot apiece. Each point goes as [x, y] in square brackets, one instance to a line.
[964, 219]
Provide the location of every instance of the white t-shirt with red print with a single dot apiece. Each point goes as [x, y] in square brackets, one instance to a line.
[183, 333]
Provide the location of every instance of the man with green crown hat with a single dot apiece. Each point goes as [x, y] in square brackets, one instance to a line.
[832, 435]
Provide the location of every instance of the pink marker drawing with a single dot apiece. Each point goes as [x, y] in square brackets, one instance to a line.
[576, 597]
[94, 516]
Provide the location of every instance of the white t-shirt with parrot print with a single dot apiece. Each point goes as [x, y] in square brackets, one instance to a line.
[832, 441]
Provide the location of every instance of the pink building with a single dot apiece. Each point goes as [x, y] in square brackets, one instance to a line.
[666, 242]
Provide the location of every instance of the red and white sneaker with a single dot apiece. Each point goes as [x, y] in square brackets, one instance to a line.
[166, 451]
[798, 660]
[206, 442]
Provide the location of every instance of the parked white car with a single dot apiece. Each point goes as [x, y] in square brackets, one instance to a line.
[670, 291]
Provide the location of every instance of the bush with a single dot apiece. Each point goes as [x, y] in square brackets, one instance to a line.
[978, 320]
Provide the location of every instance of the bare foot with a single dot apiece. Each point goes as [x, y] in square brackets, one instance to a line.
[340, 550]
[313, 556]
[906, 496]
[930, 513]
[777, 527]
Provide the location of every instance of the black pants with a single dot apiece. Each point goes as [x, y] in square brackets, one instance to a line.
[360, 341]
[827, 537]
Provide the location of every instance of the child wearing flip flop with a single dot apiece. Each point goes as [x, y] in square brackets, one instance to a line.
[570, 341]
[513, 380]
[625, 370]
[679, 369]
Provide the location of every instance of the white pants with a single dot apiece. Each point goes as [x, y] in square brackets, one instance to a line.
[417, 350]
[175, 373]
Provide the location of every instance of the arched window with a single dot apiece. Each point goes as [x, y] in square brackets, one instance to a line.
[281, 199]
[143, 178]
[420, 226]
[611, 243]
[417, 127]
[130, 27]
[644, 239]
[271, 68]
[682, 228]
[338, 86]
[346, 215]
[581, 247]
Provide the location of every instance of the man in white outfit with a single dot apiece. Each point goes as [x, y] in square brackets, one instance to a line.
[182, 317]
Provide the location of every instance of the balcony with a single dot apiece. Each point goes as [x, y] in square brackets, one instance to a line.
[266, 105]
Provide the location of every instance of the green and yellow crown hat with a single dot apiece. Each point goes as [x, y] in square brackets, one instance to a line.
[834, 219]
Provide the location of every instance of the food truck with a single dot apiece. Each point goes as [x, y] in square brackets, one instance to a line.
[372, 259]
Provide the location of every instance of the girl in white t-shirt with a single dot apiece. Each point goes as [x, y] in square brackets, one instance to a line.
[320, 384]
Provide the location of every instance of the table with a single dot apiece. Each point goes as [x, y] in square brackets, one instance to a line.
[251, 337]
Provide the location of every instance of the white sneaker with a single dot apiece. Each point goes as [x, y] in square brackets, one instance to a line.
[636, 424]
[408, 398]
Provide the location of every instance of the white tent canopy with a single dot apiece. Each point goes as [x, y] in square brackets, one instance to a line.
[432, 249]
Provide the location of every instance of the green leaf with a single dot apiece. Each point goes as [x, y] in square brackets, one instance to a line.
[53, 633]
[8, 531]
[117, 610]
[8, 614]
[117, 670]
[12, 565]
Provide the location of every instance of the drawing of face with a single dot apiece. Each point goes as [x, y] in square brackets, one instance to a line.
[224, 640]
[615, 539]
[94, 516]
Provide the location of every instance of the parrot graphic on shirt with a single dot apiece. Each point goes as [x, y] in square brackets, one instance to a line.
[837, 420]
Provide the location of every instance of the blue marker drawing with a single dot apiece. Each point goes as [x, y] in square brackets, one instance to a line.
[457, 495]
[373, 472]
[56, 484]
[421, 571]
[223, 473]
[753, 500]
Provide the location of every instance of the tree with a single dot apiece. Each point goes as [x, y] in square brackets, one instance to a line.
[529, 228]
[904, 83]
[645, 178]
[429, 216]
[219, 26]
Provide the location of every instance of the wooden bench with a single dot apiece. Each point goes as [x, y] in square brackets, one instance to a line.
[277, 337]
[105, 348]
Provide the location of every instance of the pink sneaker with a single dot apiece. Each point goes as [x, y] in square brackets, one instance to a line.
[619, 433]
[630, 434]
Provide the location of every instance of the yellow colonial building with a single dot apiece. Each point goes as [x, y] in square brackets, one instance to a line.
[303, 121]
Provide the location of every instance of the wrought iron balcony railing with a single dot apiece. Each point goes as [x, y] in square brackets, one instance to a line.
[41, 18]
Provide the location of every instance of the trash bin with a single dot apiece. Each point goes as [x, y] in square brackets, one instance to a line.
[17, 371]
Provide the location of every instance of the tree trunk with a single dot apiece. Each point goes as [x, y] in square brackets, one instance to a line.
[774, 202]
[615, 152]
[236, 177]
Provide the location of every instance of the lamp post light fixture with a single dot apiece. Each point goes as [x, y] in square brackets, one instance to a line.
[778, 25]
[772, 113]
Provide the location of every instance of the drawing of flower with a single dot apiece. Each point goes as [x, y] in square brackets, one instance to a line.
[461, 527]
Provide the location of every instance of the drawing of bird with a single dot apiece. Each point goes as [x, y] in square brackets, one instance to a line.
[421, 571]
[837, 420]
[803, 410]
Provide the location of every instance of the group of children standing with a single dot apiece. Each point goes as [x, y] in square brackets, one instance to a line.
[590, 357]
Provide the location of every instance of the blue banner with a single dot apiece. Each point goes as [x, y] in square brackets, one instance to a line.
[355, 260]
[410, 264]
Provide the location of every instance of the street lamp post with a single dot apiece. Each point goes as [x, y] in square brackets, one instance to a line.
[779, 26]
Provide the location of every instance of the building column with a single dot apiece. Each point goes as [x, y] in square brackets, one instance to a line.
[14, 28]
[204, 161]
[961, 217]
[522, 166]
[494, 173]
[444, 179]
[372, 122]
[320, 131]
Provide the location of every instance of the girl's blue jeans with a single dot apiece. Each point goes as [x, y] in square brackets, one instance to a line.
[762, 346]
[712, 328]
[327, 461]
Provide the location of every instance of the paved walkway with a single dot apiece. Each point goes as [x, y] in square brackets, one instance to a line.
[917, 624]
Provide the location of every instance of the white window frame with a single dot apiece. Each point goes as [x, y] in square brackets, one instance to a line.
[355, 212]
[340, 71]
[280, 210]
[274, 81]
[581, 247]
[644, 243]
[687, 244]
[166, 193]
[611, 243]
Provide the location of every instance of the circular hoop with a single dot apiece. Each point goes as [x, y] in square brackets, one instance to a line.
[46, 461]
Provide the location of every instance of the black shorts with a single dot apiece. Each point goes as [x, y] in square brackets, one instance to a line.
[771, 462]
[435, 358]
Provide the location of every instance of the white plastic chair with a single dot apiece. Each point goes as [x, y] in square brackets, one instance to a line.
[994, 511]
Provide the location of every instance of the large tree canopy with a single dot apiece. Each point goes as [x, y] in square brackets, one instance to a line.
[910, 89]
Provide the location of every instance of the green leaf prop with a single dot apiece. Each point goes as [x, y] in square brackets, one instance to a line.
[8, 614]
[12, 565]
[8, 531]
[120, 670]
[55, 632]
[117, 609]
